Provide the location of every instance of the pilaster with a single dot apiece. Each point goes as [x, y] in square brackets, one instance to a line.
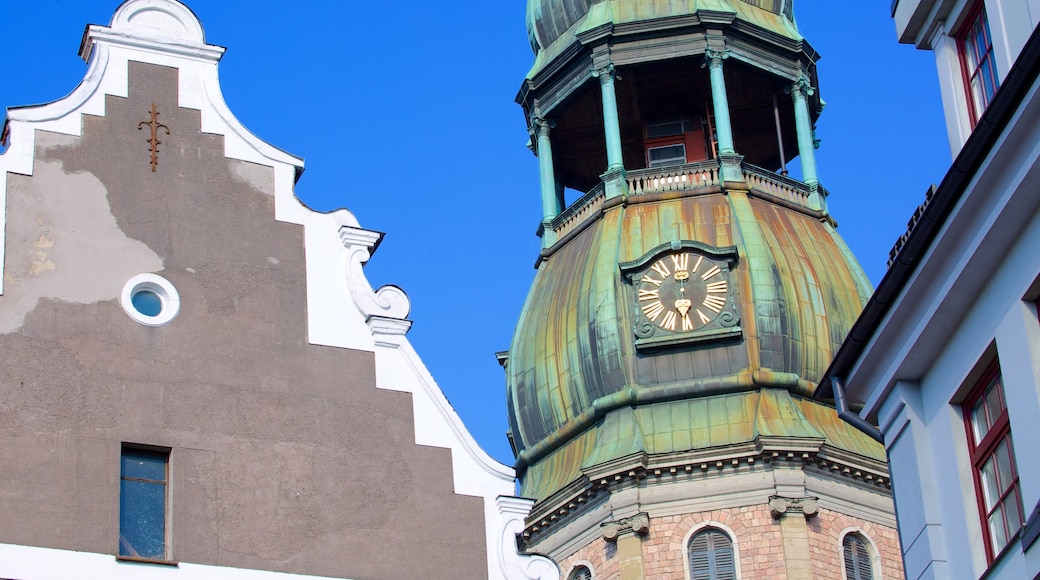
[628, 535]
[792, 514]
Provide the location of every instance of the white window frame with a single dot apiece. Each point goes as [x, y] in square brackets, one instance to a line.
[875, 555]
[667, 162]
[579, 563]
[171, 300]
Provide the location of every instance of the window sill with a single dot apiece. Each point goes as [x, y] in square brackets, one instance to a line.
[134, 560]
[1013, 541]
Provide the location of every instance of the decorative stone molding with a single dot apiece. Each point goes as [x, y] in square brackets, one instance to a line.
[541, 128]
[762, 455]
[780, 506]
[800, 86]
[606, 71]
[715, 57]
[388, 302]
[637, 524]
[512, 511]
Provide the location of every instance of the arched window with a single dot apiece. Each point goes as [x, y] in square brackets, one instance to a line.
[711, 556]
[580, 573]
[858, 565]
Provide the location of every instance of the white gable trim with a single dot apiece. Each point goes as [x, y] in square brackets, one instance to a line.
[342, 308]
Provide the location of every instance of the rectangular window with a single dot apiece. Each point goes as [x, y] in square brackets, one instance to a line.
[668, 126]
[993, 462]
[142, 503]
[977, 64]
[673, 139]
[667, 154]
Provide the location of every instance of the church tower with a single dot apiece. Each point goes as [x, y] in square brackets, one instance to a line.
[689, 294]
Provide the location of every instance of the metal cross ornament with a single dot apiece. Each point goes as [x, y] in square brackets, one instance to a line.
[154, 141]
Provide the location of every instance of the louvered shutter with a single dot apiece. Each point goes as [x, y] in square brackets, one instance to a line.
[711, 557]
[581, 573]
[857, 559]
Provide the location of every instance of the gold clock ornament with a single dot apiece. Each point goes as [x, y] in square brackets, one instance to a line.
[682, 292]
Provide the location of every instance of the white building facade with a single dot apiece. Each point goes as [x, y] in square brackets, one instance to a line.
[975, 43]
[945, 359]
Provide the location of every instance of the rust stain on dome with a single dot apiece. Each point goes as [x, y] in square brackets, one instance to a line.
[573, 359]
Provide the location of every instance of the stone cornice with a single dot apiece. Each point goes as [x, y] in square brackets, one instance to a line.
[643, 470]
[687, 35]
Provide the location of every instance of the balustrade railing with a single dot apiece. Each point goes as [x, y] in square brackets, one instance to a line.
[579, 210]
[674, 178]
[770, 183]
[689, 176]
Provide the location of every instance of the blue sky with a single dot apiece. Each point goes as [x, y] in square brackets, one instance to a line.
[404, 114]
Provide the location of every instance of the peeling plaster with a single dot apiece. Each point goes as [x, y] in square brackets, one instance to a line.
[63, 242]
[260, 177]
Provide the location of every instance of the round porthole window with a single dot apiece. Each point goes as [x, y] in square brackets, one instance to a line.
[150, 300]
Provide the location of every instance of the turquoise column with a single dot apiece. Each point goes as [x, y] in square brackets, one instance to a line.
[611, 124]
[719, 100]
[800, 91]
[547, 180]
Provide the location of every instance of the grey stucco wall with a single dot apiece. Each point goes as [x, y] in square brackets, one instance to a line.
[284, 455]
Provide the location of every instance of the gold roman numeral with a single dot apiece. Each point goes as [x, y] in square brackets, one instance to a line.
[719, 287]
[652, 294]
[704, 319]
[653, 281]
[713, 271]
[687, 324]
[680, 261]
[653, 310]
[697, 264]
[715, 303]
[661, 268]
[669, 321]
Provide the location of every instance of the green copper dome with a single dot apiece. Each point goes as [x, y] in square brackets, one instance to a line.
[688, 301]
[575, 360]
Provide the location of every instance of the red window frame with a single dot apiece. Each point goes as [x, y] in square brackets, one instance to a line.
[692, 139]
[986, 446]
[978, 69]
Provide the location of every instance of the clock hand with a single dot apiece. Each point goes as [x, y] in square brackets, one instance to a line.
[682, 304]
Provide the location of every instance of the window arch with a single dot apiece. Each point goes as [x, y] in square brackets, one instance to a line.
[860, 559]
[580, 572]
[710, 555]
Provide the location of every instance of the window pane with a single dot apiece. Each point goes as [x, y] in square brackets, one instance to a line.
[990, 490]
[1004, 474]
[142, 519]
[995, 391]
[978, 39]
[144, 464]
[664, 129]
[978, 420]
[1014, 514]
[976, 49]
[668, 154]
[996, 530]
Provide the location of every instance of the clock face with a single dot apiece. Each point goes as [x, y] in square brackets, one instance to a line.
[682, 291]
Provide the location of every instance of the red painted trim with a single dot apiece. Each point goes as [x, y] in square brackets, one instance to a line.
[982, 451]
[962, 52]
